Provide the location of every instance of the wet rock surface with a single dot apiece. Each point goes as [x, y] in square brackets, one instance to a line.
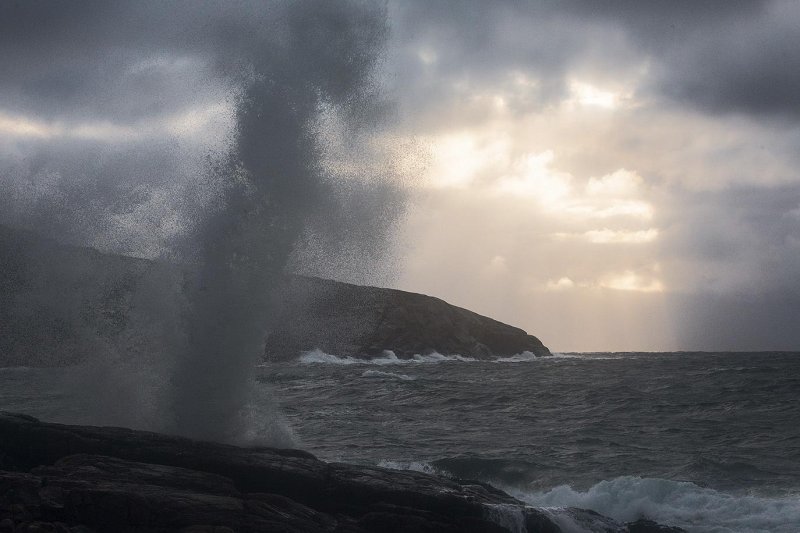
[61, 478]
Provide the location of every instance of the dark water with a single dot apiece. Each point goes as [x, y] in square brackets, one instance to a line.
[707, 441]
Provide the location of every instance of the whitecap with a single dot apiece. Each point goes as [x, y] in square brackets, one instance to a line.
[388, 358]
[676, 503]
[415, 466]
[318, 356]
[436, 357]
[523, 357]
[389, 375]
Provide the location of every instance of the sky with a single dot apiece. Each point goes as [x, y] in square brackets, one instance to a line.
[608, 175]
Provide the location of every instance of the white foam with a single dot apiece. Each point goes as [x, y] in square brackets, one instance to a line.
[508, 516]
[389, 375]
[416, 466]
[677, 503]
[436, 357]
[529, 357]
[318, 356]
[388, 358]
[524, 357]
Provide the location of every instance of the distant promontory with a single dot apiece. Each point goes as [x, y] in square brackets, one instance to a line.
[60, 300]
[362, 321]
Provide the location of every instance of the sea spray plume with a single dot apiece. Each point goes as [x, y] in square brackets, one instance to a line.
[324, 57]
[276, 75]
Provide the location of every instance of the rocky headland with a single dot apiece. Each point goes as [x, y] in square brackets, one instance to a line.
[62, 478]
[60, 302]
[362, 321]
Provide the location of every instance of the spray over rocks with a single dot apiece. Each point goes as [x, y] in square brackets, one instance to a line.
[298, 85]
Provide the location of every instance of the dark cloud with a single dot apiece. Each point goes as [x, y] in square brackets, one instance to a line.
[89, 60]
[447, 52]
[737, 322]
[717, 56]
[137, 65]
[744, 239]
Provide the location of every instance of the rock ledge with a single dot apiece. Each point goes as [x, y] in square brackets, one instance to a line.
[61, 478]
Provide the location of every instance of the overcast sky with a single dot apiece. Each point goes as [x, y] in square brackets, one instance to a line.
[617, 175]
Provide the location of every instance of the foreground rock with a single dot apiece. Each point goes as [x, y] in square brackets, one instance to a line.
[62, 478]
[64, 304]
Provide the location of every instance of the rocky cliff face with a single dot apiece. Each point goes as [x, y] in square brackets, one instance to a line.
[61, 303]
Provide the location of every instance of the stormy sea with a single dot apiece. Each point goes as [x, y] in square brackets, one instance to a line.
[706, 441]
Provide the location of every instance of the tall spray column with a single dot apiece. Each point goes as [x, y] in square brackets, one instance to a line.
[323, 57]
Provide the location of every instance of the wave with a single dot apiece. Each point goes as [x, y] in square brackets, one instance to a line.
[415, 466]
[390, 375]
[529, 357]
[629, 498]
[388, 358]
[524, 357]
[677, 503]
[16, 368]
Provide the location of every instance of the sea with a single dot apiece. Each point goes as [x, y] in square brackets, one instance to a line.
[709, 442]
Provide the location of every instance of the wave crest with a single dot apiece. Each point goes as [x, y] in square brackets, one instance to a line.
[677, 503]
[387, 375]
[388, 358]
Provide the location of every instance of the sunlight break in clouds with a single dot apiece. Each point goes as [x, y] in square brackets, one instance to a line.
[631, 281]
[561, 284]
[460, 158]
[608, 236]
[196, 121]
[532, 175]
[625, 281]
[484, 162]
[619, 183]
[586, 95]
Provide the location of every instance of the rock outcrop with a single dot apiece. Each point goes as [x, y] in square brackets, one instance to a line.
[60, 478]
[60, 304]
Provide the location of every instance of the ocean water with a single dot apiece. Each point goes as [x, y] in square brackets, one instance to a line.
[706, 441]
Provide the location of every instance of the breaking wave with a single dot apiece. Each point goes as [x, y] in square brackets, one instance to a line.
[388, 358]
[414, 466]
[523, 357]
[677, 503]
[387, 375]
[629, 498]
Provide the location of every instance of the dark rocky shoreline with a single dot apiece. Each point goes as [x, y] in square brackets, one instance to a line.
[62, 478]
